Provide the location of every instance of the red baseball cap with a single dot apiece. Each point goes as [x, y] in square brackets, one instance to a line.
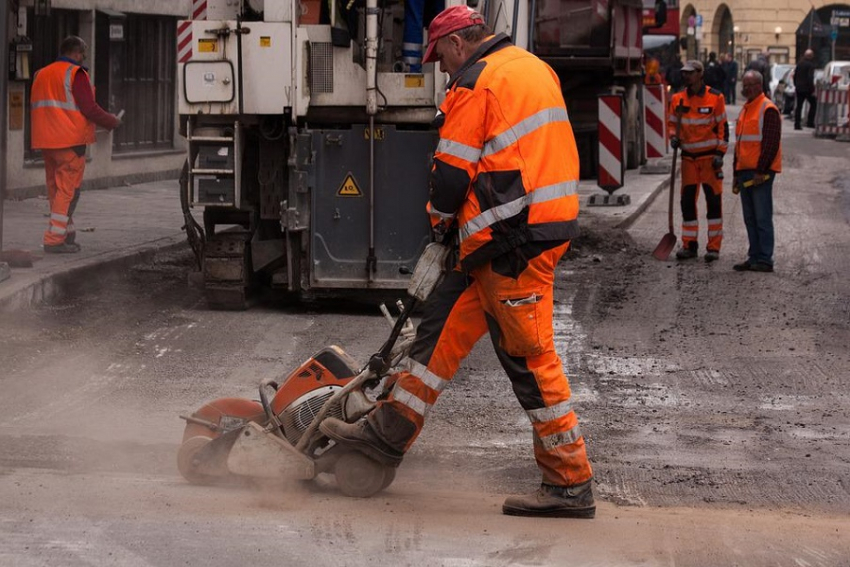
[448, 21]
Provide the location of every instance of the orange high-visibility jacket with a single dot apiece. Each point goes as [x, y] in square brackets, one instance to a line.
[506, 167]
[56, 119]
[704, 130]
[749, 135]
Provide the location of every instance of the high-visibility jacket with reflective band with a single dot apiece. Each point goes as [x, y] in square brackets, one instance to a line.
[704, 130]
[749, 135]
[56, 119]
[506, 166]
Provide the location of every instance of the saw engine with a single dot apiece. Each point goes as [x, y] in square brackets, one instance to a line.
[279, 436]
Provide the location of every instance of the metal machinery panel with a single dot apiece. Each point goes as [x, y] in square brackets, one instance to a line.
[340, 205]
[213, 69]
[266, 68]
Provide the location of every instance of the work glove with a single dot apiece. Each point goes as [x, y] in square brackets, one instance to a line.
[717, 162]
[736, 187]
[674, 142]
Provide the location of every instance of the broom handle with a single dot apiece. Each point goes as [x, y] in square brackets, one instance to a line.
[678, 111]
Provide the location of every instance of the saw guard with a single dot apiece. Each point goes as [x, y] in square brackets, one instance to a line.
[257, 452]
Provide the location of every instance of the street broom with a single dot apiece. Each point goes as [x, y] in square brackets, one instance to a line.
[668, 241]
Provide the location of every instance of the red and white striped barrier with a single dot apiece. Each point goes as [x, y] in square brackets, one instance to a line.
[184, 41]
[611, 151]
[654, 123]
[184, 30]
[833, 111]
[199, 9]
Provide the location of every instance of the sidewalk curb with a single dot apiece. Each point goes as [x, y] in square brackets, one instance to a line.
[629, 220]
[60, 280]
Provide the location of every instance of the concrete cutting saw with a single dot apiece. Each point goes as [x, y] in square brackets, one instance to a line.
[278, 435]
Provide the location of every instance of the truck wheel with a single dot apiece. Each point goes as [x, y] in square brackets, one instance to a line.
[188, 463]
[359, 476]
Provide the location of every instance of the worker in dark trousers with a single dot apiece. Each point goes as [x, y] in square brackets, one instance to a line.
[700, 112]
[804, 86]
[64, 114]
[758, 158]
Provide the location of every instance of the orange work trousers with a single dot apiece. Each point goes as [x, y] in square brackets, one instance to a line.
[63, 170]
[515, 304]
[696, 172]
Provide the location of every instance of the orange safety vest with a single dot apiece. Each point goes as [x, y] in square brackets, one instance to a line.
[56, 119]
[703, 130]
[507, 153]
[749, 135]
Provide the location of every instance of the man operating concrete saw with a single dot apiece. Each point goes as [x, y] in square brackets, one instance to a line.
[505, 175]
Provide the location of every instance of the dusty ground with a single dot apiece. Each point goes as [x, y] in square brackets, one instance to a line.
[714, 403]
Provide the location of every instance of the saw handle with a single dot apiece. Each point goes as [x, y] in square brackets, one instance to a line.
[267, 407]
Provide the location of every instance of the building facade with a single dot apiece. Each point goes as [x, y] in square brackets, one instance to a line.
[132, 62]
[781, 28]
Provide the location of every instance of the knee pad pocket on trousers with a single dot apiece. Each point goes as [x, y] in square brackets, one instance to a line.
[521, 318]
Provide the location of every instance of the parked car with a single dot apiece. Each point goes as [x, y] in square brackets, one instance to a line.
[777, 71]
[837, 72]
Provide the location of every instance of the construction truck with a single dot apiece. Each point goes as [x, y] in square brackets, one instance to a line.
[310, 138]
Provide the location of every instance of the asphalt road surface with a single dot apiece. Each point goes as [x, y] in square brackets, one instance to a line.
[714, 404]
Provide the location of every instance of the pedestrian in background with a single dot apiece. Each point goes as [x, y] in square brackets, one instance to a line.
[505, 174]
[64, 114]
[703, 138]
[761, 64]
[758, 158]
[804, 85]
[730, 67]
[673, 75]
[715, 76]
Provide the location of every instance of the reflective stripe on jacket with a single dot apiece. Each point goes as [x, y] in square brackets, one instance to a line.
[704, 129]
[506, 166]
[749, 135]
[56, 119]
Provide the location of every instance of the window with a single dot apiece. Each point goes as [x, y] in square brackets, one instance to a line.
[142, 69]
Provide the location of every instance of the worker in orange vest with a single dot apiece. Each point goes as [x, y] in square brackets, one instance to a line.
[758, 158]
[505, 176]
[64, 114]
[700, 112]
[652, 74]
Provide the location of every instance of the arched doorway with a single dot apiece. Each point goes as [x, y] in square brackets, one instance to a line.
[837, 17]
[687, 32]
[818, 32]
[722, 31]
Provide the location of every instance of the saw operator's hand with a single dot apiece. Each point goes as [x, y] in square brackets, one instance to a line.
[674, 142]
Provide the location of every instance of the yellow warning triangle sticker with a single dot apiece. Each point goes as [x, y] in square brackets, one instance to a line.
[349, 187]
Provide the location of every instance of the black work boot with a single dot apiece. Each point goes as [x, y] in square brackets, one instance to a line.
[360, 436]
[554, 502]
[687, 252]
[64, 248]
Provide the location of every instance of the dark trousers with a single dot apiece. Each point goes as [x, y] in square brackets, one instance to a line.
[729, 93]
[798, 111]
[757, 205]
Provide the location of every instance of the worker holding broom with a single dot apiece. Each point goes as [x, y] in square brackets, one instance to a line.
[700, 112]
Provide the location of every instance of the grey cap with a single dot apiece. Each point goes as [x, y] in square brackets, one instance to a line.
[692, 66]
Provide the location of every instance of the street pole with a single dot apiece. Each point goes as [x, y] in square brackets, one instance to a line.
[4, 101]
